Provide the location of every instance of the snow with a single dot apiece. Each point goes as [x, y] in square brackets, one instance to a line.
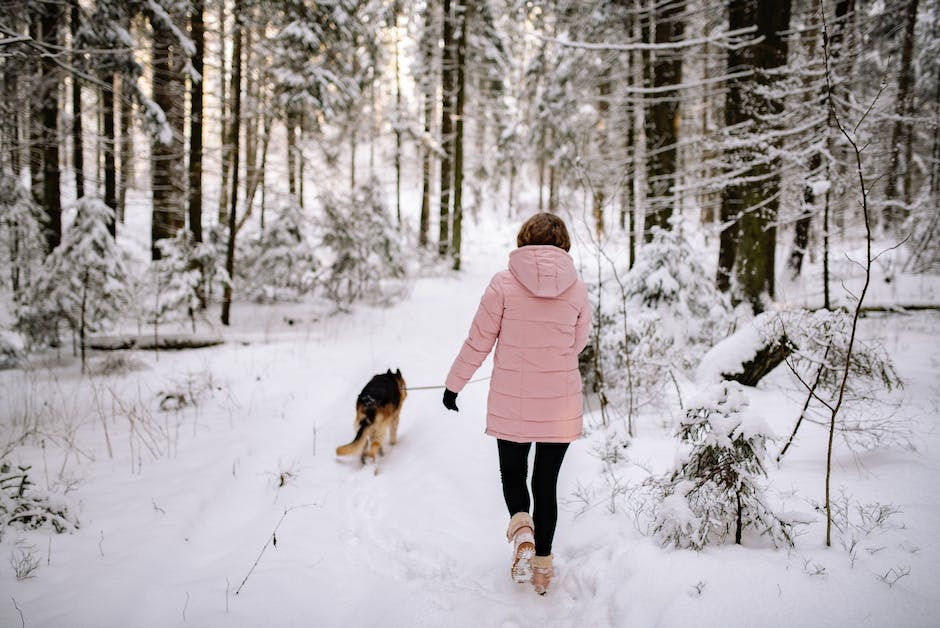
[173, 520]
[730, 355]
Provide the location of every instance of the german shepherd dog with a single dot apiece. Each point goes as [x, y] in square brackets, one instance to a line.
[377, 409]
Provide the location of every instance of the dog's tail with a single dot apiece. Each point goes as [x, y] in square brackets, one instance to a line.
[366, 417]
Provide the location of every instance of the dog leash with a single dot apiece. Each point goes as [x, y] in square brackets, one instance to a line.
[473, 381]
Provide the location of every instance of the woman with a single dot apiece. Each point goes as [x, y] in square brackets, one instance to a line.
[538, 310]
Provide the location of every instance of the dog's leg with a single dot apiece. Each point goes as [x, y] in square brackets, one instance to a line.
[376, 437]
[366, 446]
[393, 428]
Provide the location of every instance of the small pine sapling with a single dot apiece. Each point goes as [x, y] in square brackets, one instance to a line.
[21, 242]
[24, 506]
[84, 280]
[822, 353]
[181, 277]
[715, 489]
[280, 262]
[654, 318]
[359, 248]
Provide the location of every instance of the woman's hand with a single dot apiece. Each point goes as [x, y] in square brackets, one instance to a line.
[450, 400]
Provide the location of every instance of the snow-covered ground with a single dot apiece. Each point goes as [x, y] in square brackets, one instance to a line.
[177, 507]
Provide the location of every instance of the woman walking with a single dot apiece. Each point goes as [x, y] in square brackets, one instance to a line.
[538, 315]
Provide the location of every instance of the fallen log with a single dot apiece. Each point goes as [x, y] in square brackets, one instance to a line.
[767, 358]
[747, 355]
[169, 342]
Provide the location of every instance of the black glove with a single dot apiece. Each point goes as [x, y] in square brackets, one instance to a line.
[450, 400]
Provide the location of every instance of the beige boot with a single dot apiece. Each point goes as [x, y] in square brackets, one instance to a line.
[520, 535]
[542, 573]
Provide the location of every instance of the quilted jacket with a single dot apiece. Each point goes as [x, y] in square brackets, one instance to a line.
[538, 315]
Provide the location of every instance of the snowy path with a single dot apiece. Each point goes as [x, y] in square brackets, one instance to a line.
[166, 541]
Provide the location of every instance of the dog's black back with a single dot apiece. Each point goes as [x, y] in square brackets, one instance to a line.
[380, 391]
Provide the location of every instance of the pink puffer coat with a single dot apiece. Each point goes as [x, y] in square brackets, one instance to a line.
[540, 313]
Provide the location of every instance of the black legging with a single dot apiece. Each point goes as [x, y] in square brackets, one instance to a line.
[513, 468]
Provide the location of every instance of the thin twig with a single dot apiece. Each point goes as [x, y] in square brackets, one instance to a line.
[809, 397]
[16, 606]
[272, 540]
[806, 385]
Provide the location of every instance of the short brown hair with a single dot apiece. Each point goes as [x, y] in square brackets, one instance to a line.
[544, 228]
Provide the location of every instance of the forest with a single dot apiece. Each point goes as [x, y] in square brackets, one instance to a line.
[290, 186]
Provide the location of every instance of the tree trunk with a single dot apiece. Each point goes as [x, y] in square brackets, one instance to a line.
[226, 156]
[662, 121]
[462, 14]
[428, 43]
[301, 163]
[425, 220]
[749, 209]
[448, 79]
[552, 181]
[33, 115]
[352, 160]
[126, 149]
[10, 119]
[265, 143]
[740, 14]
[256, 178]
[898, 196]
[291, 125]
[166, 152]
[396, 9]
[235, 128]
[826, 302]
[198, 34]
[78, 158]
[49, 120]
[107, 139]
[602, 146]
[802, 226]
[250, 115]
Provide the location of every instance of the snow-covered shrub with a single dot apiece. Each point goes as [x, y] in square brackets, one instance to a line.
[83, 282]
[653, 318]
[668, 277]
[12, 348]
[187, 389]
[714, 491]
[279, 263]
[359, 248]
[21, 242]
[818, 341]
[21, 505]
[181, 276]
[821, 338]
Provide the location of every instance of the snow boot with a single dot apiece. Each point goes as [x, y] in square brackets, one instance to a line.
[520, 534]
[542, 573]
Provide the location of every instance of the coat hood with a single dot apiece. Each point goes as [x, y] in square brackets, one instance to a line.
[545, 270]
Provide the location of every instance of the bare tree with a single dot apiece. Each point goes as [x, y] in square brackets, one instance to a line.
[863, 202]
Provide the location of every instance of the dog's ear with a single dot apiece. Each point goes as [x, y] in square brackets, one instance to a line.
[388, 372]
[398, 372]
